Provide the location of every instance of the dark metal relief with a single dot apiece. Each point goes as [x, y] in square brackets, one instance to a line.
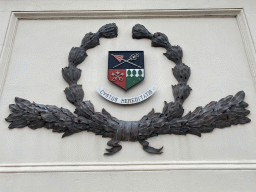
[224, 113]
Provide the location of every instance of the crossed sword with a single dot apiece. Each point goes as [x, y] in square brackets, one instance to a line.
[133, 57]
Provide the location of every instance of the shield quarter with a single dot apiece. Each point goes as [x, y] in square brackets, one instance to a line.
[126, 68]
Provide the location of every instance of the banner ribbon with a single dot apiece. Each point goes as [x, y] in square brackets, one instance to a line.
[126, 101]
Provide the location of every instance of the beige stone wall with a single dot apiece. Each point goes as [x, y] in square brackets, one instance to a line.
[219, 50]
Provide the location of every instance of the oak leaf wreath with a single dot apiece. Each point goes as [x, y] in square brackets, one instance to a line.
[224, 113]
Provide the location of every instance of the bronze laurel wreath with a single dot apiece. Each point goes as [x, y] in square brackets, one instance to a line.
[224, 113]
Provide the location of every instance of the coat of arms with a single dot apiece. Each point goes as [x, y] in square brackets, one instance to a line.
[126, 68]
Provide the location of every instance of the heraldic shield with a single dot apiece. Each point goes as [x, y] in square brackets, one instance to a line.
[126, 68]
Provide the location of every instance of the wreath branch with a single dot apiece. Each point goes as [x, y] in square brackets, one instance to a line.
[224, 113]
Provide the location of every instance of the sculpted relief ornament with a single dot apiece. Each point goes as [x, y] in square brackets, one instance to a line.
[224, 113]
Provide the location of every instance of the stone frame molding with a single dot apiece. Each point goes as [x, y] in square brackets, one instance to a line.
[186, 165]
